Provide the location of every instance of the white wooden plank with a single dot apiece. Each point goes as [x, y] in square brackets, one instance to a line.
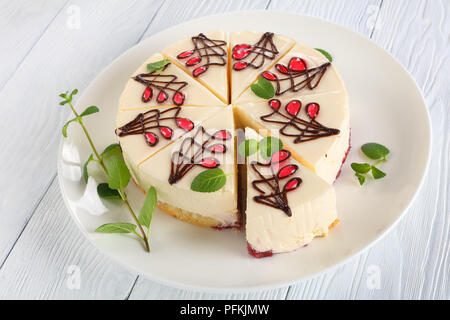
[357, 15]
[424, 233]
[21, 25]
[63, 58]
[413, 259]
[39, 267]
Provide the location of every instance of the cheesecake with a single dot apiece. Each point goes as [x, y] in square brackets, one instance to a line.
[315, 128]
[178, 133]
[172, 170]
[252, 53]
[169, 86]
[205, 58]
[287, 204]
[143, 132]
[302, 71]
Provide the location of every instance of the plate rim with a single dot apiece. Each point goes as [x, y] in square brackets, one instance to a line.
[281, 284]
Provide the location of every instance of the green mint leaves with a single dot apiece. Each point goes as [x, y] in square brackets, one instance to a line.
[373, 151]
[158, 65]
[118, 173]
[263, 88]
[268, 146]
[325, 53]
[112, 162]
[248, 147]
[211, 180]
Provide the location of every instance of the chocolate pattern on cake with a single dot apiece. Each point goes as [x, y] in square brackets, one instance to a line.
[164, 83]
[193, 152]
[207, 52]
[279, 170]
[297, 75]
[293, 126]
[144, 123]
[255, 55]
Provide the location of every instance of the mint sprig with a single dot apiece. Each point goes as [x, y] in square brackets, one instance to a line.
[248, 147]
[269, 145]
[325, 53]
[211, 180]
[112, 162]
[263, 88]
[158, 65]
[373, 151]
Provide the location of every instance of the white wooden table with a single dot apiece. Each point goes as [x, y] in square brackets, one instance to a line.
[45, 49]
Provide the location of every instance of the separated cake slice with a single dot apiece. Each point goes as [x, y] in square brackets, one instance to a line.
[204, 57]
[195, 177]
[302, 71]
[315, 128]
[161, 83]
[251, 54]
[142, 133]
[287, 205]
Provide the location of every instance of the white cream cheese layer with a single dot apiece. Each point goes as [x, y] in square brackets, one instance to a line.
[329, 82]
[195, 93]
[215, 77]
[135, 148]
[323, 155]
[313, 207]
[241, 80]
[220, 205]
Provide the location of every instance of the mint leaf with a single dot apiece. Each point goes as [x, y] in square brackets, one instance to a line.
[118, 227]
[111, 150]
[248, 147]
[64, 129]
[374, 150]
[118, 173]
[89, 110]
[146, 213]
[361, 178]
[269, 145]
[210, 180]
[85, 168]
[105, 192]
[325, 53]
[158, 65]
[377, 173]
[263, 88]
[360, 167]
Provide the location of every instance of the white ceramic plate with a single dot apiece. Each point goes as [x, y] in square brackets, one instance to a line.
[386, 106]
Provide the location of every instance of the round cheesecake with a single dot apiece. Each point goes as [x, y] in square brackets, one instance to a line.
[178, 125]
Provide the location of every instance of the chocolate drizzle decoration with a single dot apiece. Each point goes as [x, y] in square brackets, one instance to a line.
[296, 75]
[254, 55]
[211, 52]
[146, 122]
[197, 150]
[165, 84]
[280, 169]
[293, 126]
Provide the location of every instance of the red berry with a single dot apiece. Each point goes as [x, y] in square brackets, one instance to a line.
[198, 71]
[287, 171]
[209, 163]
[297, 64]
[166, 132]
[293, 107]
[312, 109]
[185, 54]
[178, 98]
[269, 75]
[222, 135]
[275, 104]
[185, 123]
[162, 96]
[240, 66]
[147, 95]
[151, 138]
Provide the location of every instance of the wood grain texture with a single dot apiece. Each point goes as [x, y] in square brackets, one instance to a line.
[63, 58]
[39, 241]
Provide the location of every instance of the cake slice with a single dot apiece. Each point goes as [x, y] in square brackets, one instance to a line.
[164, 87]
[210, 146]
[251, 53]
[204, 57]
[302, 71]
[287, 205]
[315, 128]
[142, 133]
